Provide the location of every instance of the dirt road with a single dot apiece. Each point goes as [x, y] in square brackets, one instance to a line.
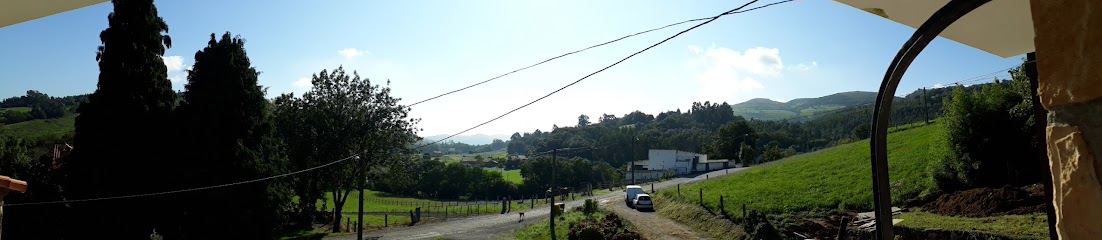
[501, 226]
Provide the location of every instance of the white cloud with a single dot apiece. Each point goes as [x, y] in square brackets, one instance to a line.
[758, 61]
[806, 67]
[174, 63]
[350, 53]
[936, 86]
[303, 82]
[727, 72]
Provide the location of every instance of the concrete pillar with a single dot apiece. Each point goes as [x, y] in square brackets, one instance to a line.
[1069, 64]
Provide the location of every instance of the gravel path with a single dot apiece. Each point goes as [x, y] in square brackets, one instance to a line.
[501, 226]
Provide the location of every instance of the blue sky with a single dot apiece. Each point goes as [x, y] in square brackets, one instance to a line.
[807, 48]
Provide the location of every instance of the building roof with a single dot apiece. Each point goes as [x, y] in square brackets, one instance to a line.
[1003, 28]
[18, 11]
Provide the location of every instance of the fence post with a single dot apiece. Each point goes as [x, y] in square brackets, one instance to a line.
[679, 190]
[701, 197]
[652, 188]
[386, 220]
[532, 201]
[445, 211]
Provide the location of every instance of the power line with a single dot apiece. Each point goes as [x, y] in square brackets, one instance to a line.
[709, 20]
[592, 47]
[594, 73]
[190, 189]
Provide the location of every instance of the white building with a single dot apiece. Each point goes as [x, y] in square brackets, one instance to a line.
[679, 162]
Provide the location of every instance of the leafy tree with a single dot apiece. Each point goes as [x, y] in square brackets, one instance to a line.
[746, 154]
[46, 109]
[990, 137]
[583, 120]
[123, 130]
[861, 131]
[230, 138]
[728, 141]
[340, 116]
[772, 153]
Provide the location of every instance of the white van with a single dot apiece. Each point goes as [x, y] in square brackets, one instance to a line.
[632, 191]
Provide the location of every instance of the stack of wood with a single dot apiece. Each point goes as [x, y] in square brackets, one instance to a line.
[866, 221]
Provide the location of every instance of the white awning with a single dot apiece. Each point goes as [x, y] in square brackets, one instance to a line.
[18, 11]
[1001, 27]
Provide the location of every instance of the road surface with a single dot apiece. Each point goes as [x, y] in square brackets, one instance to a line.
[500, 226]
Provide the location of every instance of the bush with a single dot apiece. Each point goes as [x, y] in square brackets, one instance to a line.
[589, 207]
[990, 136]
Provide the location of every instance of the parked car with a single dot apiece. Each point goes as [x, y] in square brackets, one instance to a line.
[643, 201]
[632, 191]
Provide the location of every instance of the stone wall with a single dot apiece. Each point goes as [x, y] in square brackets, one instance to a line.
[1069, 64]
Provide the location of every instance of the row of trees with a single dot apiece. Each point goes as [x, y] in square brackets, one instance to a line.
[42, 107]
[135, 135]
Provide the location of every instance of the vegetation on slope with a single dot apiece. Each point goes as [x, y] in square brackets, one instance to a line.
[835, 178]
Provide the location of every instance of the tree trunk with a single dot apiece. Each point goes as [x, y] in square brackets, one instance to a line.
[338, 205]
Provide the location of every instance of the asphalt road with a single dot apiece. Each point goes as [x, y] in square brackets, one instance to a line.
[501, 226]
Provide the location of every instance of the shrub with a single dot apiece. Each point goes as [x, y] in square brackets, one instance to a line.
[589, 207]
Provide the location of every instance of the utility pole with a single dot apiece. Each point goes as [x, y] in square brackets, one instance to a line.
[632, 166]
[925, 106]
[360, 219]
[554, 161]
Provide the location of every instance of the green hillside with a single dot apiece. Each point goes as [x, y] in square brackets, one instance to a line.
[833, 178]
[766, 109]
[38, 128]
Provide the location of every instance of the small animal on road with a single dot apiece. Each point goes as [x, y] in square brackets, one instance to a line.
[521, 219]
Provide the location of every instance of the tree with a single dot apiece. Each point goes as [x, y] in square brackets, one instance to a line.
[746, 154]
[583, 120]
[230, 138]
[46, 109]
[990, 137]
[861, 131]
[123, 130]
[728, 141]
[341, 116]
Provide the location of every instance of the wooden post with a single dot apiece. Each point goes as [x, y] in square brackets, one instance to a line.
[679, 190]
[701, 197]
[652, 188]
[386, 220]
[842, 228]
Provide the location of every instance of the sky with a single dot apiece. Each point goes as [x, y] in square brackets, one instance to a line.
[807, 48]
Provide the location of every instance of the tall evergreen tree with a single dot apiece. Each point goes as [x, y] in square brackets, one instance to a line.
[122, 130]
[230, 138]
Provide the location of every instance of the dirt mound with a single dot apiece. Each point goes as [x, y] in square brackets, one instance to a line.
[985, 202]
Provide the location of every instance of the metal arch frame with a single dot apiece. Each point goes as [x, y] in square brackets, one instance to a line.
[926, 33]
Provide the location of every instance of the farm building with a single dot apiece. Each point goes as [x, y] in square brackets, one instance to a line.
[679, 162]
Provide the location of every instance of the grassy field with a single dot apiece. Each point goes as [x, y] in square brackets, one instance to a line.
[18, 109]
[1017, 227]
[41, 127]
[834, 178]
[513, 176]
[542, 229]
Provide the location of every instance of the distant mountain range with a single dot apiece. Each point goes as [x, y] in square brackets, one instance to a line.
[766, 109]
[476, 139]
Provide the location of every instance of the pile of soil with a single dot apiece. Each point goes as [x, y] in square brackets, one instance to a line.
[986, 202]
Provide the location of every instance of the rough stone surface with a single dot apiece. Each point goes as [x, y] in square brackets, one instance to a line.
[1068, 53]
[1077, 193]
